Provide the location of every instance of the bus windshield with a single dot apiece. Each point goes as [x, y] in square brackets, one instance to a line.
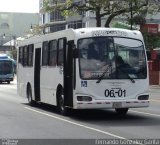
[6, 67]
[112, 58]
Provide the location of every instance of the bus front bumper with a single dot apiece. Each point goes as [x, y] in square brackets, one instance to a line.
[101, 104]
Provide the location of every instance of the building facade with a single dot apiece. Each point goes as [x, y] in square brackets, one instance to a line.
[13, 25]
[54, 21]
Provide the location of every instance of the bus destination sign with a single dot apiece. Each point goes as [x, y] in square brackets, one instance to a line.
[109, 33]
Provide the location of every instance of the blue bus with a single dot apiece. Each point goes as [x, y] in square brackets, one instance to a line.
[6, 68]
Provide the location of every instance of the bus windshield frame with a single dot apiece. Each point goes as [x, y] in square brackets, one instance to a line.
[112, 58]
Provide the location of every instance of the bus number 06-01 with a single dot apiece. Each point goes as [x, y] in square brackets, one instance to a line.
[114, 93]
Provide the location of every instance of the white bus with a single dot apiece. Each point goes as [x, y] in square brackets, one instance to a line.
[88, 68]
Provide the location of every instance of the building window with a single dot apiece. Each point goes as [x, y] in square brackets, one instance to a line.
[43, 19]
[75, 24]
[56, 16]
[53, 2]
[56, 28]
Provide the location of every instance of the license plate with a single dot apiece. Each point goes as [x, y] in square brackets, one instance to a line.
[117, 104]
[115, 92]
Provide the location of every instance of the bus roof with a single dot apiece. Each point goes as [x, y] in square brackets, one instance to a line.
[4, 56]
[102, 31]
[74, 34]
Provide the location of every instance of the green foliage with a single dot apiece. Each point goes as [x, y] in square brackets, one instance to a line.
[152, 41]
[47, 7]
[36, 30]
[68, 9]
[109, 8]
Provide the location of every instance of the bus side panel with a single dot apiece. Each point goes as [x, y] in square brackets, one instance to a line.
[50, 78]
[20, 84]
[24, 77]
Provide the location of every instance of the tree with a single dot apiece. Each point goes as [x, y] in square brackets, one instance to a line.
[36, 29]
[106, 8]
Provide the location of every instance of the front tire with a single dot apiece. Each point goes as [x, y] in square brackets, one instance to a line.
[60, 103]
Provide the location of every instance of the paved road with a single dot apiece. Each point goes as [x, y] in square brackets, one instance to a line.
[20, 121]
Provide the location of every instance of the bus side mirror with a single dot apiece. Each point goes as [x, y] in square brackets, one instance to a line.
[75, 53]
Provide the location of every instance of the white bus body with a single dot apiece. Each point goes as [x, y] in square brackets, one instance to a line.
[58, 69]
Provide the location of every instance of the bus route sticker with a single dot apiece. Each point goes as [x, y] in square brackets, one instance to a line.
[83, 83]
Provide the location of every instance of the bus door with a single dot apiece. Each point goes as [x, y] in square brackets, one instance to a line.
[67, 70]
[37, 74]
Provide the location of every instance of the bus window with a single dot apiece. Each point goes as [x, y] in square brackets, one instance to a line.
[30, 55]
[61, 45]
[92, 67]
[45, 53]
[93, 51]
[94, 56]
[133, 54]
[21, 55]
[25, 55]
[52, 53]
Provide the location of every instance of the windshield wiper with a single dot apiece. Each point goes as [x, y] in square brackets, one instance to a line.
[101, 77]
[132, 80]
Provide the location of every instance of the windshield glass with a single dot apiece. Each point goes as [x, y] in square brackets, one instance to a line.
[112, 57]
[6, 67]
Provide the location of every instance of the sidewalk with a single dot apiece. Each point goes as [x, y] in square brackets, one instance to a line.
[155, 86]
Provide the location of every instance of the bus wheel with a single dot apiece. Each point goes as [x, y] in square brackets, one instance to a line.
[8, 82]
[29, 96]
[122, 111]
[60, 103]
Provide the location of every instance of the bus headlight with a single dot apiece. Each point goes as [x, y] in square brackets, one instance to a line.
[84, 98]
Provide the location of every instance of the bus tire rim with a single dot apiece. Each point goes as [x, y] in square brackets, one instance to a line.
[61, 103]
